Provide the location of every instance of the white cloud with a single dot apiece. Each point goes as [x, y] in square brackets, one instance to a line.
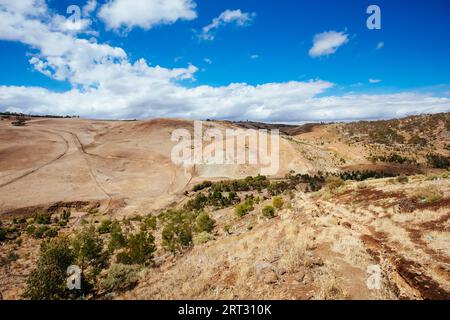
[106, 84]
[207, 60]
[254, 56]
[118, 14]
[380, 45]
[237, 17]
[89, 8]
[374, 80]
[327, 43]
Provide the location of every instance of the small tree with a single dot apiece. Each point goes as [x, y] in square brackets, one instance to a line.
[89, 253]
[177, 230]
[268, 212]
[176, 237]
[117, 239]
[48, 280]
[139, 250]
[204, 222]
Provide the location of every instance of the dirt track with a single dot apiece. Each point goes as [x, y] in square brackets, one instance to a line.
[111, 161]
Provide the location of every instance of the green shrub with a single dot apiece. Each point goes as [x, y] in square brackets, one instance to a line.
[150, 222]
[139, 249]
[268, 211]
[43, 218]
[39, 232]
[117, 240]
[277, 202]
[177, 232]
[244, 208]
[227, 228]
[119, 278]
[438, 161]
[204, 222]
[11, 256]
[105, 227]
[51, 233]
[65, 215]
[201, 186]
[89, 253]
[202, 237]
[176, 237]
[48, 280]
[3, 234]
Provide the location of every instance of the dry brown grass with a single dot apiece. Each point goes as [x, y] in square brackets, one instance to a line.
[330, 289]
[428, 194]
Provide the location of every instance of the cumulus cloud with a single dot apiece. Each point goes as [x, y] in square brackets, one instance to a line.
[107, 84]
[327, 43]
[236, 17]
[254, 56]
[118, 14]
[374, 80]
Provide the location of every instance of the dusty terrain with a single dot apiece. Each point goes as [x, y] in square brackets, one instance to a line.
[123, 164]
[318, 246]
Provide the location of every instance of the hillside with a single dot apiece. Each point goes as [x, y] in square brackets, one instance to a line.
[347, 196]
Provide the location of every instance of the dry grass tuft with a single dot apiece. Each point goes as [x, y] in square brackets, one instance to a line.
[330, 289]
[428, 194]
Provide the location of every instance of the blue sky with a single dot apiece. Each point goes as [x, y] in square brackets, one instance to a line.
[265, 48]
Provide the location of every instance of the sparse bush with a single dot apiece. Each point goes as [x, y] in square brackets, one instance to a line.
[202, 237]
[119, 278]
[268, 212]
[11, 256]
[48, 280]
[139, 249]
[65, 215]
[227, 228]
[176, 236]
[39, 232]
[117, 239]
[89, 253]
[43, 218]
[3, 234]
[51, 233]
[105, 227]
[201, 186]
[244, 208]
[150, 222]
[438, 161]
[204, 222]
[277, 202]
